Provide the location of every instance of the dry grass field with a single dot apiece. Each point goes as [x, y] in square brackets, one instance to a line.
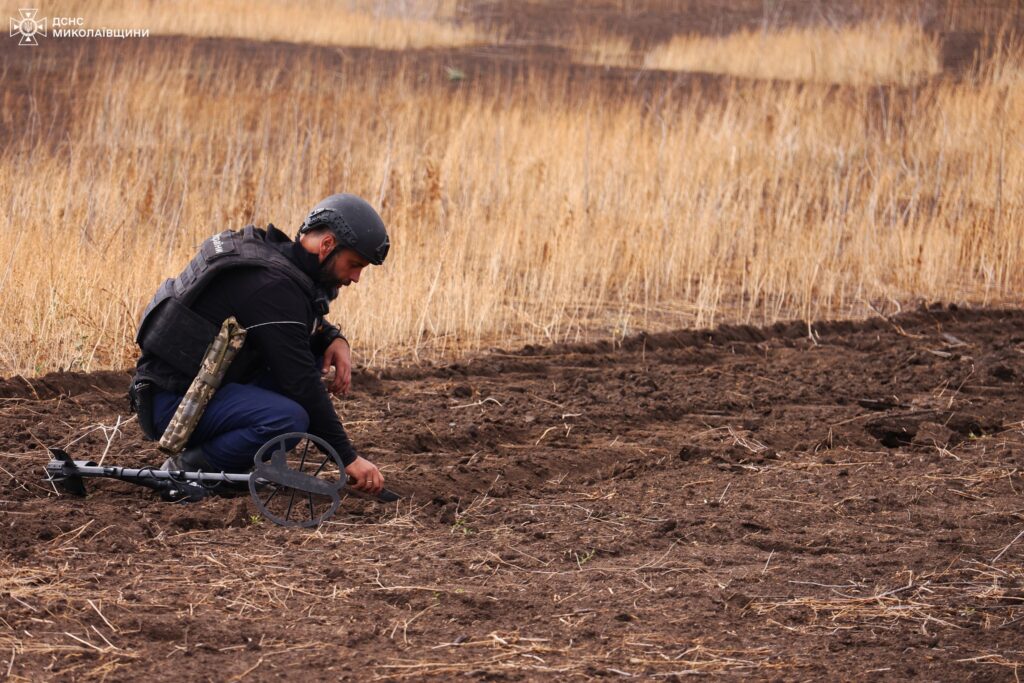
[611, 493]
[526, 205]
[394, 24]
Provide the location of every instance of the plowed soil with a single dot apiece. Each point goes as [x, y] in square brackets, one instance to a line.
[799, 502]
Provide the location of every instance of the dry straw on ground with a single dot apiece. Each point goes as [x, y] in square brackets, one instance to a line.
[518, 214]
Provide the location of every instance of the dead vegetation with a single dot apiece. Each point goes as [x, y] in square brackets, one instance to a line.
[531, 200]
[806, 501]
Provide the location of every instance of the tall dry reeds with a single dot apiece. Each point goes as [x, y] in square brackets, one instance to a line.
[518, 214]
[394, 24]
[869, 53]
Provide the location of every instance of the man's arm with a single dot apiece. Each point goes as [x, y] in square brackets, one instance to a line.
[280, 320]
[329, 344]
[325, 335]
[282, 339]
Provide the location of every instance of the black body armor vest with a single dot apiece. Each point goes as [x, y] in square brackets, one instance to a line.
[171, 331]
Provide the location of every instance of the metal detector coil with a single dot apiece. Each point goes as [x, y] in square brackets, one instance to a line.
[315, 479]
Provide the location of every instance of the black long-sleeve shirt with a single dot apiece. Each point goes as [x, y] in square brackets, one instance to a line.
[285, 335]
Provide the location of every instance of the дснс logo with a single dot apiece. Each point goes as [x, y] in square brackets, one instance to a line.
[28, 27]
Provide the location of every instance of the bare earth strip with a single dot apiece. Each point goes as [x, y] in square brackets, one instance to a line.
[787, 502]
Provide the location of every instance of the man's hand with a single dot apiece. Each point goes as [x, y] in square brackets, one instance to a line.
[367, 477]
[339, 355]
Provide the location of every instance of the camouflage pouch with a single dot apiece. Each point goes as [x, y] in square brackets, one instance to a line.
[219, 354]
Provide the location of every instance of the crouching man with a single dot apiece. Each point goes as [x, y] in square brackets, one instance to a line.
[279, 290]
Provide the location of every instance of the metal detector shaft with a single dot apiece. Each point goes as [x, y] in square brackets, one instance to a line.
[128, 474]
[70, 474]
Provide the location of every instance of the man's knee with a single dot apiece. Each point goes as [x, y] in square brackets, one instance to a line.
[293, 418]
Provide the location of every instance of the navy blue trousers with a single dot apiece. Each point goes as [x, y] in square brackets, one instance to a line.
[238, 420]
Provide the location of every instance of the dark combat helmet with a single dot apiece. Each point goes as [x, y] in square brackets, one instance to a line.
[354, 223]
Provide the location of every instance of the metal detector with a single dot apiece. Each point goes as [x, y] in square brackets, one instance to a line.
[297, 480]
